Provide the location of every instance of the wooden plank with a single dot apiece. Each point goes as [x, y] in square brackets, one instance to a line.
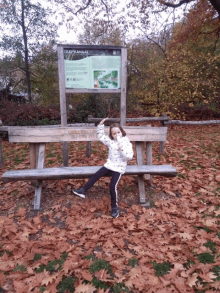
[33, 160]
[1, 154]
[142, 119]
[90, 47]
[205, 122]
[59, 173]
[63, 111]
[62, 134]
[61, 69]
[41, 156]
[149, 160]
[123, 86]
[88, 149]
[65, 150]
[96, 91]
[37, 196]
[40, 165]
[6, 128]
[140, 161]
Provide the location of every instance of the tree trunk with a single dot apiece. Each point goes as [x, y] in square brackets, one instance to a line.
[27, 70]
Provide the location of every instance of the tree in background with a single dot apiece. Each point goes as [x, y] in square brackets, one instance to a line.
[96, 34]
[192, 68]
[45, 81]
[180, 67]
[25, 26]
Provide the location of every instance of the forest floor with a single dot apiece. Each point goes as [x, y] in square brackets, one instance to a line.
[73, 244]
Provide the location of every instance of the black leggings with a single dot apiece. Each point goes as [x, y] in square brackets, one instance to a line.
[113, 183]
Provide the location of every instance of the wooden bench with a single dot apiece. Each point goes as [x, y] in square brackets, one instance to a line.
[37, 137]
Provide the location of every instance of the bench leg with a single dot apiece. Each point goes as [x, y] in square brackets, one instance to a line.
[148, 177]
[88, 149]
[141, 186]
[37, 197]
[33, 160]
[40, 152]
[1, 154]
[65, 154]
[161, 149]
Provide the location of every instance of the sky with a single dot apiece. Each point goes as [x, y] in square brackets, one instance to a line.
[158, 21]
[69, 36]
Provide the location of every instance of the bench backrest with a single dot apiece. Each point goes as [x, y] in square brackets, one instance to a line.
[61, 134]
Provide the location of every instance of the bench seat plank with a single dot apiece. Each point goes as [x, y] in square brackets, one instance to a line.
[82, 172]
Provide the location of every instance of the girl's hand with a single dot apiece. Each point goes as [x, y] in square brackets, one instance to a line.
[103, 121]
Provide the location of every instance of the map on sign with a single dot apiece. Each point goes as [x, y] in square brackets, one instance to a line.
[92, 69]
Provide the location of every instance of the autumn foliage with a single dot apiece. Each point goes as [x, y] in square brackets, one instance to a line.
[73, 245]
[178, 71]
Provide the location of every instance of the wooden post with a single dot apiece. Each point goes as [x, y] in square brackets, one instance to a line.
[88, 149]
[63, 101]
[140, 161]
[161, 150]
[149, 157]
[123, 86]
[40, 165]
[1, 154]
[89, 143]
[33, 159]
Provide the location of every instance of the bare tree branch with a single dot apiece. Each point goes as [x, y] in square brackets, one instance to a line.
[83, 8]
[157, 45]
[215, 4]
[181, 2]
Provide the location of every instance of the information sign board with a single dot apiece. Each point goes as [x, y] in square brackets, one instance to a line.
[92, 68]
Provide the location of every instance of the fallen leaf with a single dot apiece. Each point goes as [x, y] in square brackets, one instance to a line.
[85, 289]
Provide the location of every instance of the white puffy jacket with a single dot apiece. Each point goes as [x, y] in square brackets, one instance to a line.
[117, 158]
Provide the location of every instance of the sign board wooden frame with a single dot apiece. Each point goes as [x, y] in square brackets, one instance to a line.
[63, 90]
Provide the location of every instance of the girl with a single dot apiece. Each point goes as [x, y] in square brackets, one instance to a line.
[120, 151]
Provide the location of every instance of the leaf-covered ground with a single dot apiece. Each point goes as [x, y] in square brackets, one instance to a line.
[73, 245]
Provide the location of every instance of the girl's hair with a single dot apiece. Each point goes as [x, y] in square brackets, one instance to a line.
[118, 126]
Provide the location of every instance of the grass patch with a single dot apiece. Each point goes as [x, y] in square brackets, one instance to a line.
[66, 285]
[37, 256]
[100, 264]
[20, 268]
[50, 155]
[206, 258]
[189, 263]
[60, 159]
[216, 271]
[161, 269]
[81, 146]
[50, 162]
[133, 262]
[210, 245]
[181, 175]
[120, 287]
[54, 265]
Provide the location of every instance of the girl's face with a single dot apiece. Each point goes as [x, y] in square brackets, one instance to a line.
[116, 131]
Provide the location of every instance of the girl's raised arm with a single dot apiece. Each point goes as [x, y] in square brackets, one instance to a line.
[103, 121]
